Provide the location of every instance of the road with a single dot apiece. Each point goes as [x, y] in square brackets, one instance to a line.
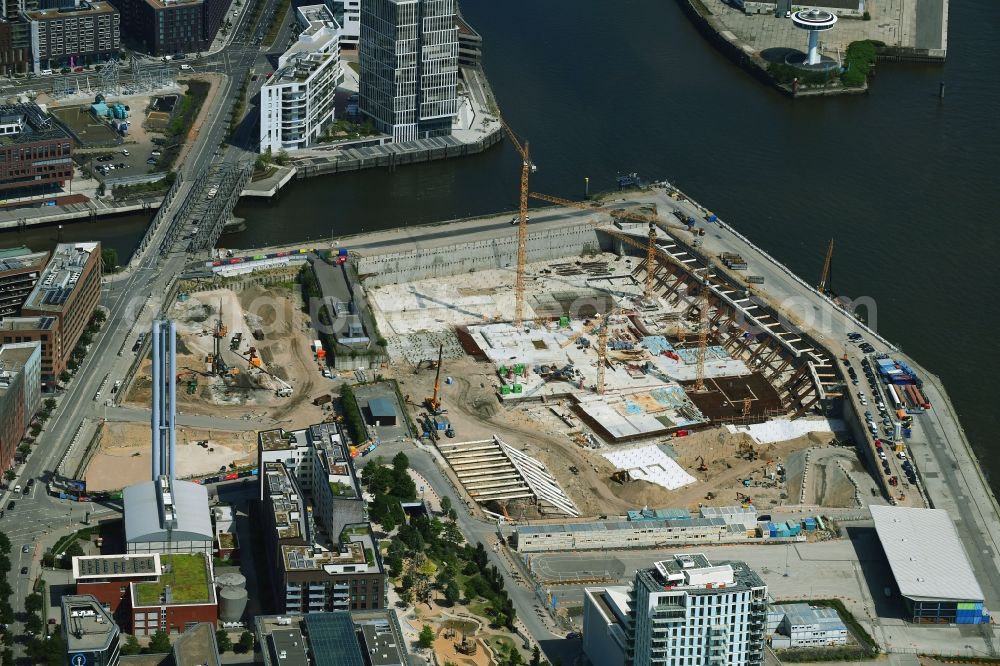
[132, 300]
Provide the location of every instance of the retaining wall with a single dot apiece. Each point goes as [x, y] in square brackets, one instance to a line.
[449, 260]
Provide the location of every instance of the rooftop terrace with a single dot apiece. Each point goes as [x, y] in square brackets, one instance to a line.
[186, 579]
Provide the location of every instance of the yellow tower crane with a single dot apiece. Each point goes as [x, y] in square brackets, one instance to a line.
[527, 167]
[699, 382]
[827, 264]
[602, 353]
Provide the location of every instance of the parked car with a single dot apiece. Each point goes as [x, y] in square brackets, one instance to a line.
[24, 571]
[151, 161]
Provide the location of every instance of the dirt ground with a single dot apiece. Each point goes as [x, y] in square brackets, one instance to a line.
[284, 351]
[124, 454]
[476, 413]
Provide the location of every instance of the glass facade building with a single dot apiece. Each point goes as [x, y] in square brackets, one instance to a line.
[409, 66]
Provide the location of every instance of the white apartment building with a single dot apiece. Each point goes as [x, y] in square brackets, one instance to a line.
[297, 102]
[409, 66]
[685, 611]
[348, 15]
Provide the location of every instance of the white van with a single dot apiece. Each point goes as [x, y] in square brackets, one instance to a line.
[185, 68]
[17, 488]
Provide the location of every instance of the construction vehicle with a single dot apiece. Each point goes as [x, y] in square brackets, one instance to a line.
[747, 451]
[433, 402]
[702, 467]
[218, 366]
[710, 495]
[743, 498]
[747, 483]
[527, 167]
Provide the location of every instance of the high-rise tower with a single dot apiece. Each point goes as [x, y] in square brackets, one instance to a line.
[409, 66]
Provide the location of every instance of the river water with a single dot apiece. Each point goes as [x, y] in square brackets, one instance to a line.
[904, 181]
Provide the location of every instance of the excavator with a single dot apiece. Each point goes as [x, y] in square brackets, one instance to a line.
[702, 467]
[433, 402]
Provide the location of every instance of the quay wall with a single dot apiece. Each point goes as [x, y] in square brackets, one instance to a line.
[391, 159]
[467, 257]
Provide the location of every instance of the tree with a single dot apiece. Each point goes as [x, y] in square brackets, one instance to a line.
[160, 642]
[33, 602]
[4, 543]
[452, 514]
[7, 639]
[426, 638]
[72, 365]
[400, 463]
[223, 641]
[282, 158]
[445, 504]
[6, 613]
[452, 593]
[131, 645]
[7, 656]
[64, 376]
[24, 450]
[536, 656]
[48, 559]
[109, 259]
[33, 624]
[246, 642]
[50, 404]
[99, 315]
[10, 475]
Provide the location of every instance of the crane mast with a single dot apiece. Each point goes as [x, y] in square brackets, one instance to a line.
[527, 167]
[827, 264]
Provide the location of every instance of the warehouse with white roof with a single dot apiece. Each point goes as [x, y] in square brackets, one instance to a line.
[930, 566]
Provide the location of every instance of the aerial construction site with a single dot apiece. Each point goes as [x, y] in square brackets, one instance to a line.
[602, 364]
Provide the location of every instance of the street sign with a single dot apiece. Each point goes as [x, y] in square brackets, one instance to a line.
[78, 660]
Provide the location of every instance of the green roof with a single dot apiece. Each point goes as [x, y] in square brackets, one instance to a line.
[187, 576]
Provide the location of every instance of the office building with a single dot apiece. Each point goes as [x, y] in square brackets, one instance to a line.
[82, 34]
[930, 566]
[144, 593]
[409, 67]
[685, 611]
[359, 638]
[165, 515]
[20, 395]
[297, 102]
[58, 309]
[19, 271]
[470, 43]
[164, 27]
[320, 460]
[311, 573]
[92, 637]
[43, 330]
[15, 45]
[802, 625]
[347, 13]
[108, 578]
[36, 154]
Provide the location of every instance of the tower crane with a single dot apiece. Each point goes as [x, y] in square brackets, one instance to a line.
[602, 354]
[699, 382]
[527, 167]
[827, 265]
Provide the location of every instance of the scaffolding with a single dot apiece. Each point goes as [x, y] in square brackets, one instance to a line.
[110, 78]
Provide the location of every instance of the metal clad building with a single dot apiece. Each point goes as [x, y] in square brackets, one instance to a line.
[930, 566]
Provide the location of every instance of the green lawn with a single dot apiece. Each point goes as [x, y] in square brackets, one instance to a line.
[187, 578]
